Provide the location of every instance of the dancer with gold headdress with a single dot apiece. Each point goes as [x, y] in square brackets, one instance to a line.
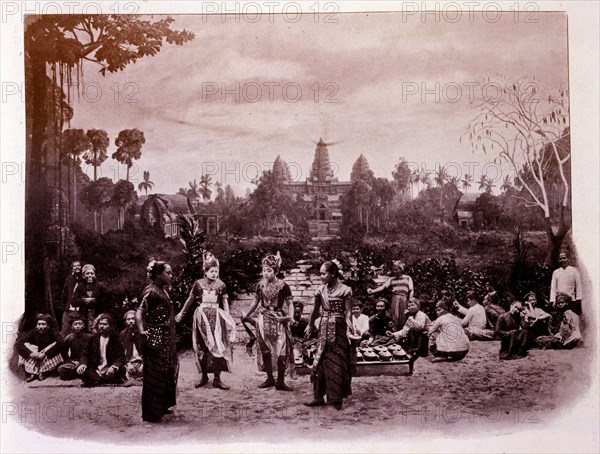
[275, 306]
[213, 329]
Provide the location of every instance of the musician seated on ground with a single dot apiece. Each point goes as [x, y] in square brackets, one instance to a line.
[103, 360]
[447, 339]
[475, 320]
[413, 336]
[380, 326]
[568, 334]
[360, 323]
[537, 319]
[298, 324]
[493, 310]
[39, 349]
[131, 340]
[74, 346]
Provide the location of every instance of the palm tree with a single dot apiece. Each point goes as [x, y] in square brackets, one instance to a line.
[415, 177]
[129, 147]
[96, 156]
[466, 182]
[489, 185]
[441, 177]
[205, 192]
[74, 142]
[453, 182]
[425, 179]
[146, 184]
[482, 182]
[506, 184]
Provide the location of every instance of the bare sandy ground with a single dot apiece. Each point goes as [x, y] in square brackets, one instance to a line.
[480, 394]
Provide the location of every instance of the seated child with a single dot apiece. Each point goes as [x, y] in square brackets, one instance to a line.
[103, 360]
[475, 320]
[39, 349]
[447, 339]
[73, 348]
[414, 333]
[381, 326]
[537, 319]
[298, 324]
[131, 340]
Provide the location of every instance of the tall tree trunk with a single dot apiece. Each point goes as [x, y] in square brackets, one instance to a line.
[37, 211]
[102, 222]
[74, 194]
[555, 240]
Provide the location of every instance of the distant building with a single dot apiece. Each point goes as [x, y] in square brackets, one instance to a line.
[321, 192]
[465, 213]
[162, 209]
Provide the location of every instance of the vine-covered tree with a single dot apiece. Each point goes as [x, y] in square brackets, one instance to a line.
[527, 127]
[55, 48]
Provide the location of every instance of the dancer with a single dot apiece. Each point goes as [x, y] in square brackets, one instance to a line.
[274, 300]
[213, 329]
[331, 374]
[156, 323]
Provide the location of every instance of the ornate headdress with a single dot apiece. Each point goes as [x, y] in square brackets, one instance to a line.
[208, 261]
[272, 261]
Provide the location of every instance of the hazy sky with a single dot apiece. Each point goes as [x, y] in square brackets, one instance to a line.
[392, 88]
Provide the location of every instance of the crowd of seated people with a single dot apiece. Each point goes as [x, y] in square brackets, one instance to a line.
[84, 346]
[88, 347]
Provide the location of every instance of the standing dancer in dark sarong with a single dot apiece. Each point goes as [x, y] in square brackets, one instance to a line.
[156, 323]
[331, 374]
[274, 303]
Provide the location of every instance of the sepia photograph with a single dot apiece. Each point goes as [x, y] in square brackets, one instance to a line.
[299, 227]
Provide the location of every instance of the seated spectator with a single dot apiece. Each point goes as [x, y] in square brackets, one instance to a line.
[515, 339]
[131, 340]
[537, 319]
[475, 320]
[568, 334]
[414, 333]
[73, 348]
[360, 323]
[381, 326]
[39, 349]
[298, 324]
[103, 360]
[447, 339]
[492, 309]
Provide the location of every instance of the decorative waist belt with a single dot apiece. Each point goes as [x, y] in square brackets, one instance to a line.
[157, 325]
[333, 313]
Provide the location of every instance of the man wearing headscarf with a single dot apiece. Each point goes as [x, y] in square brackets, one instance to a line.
[39, 349]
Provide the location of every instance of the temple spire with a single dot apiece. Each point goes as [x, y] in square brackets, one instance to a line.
[321, 167]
